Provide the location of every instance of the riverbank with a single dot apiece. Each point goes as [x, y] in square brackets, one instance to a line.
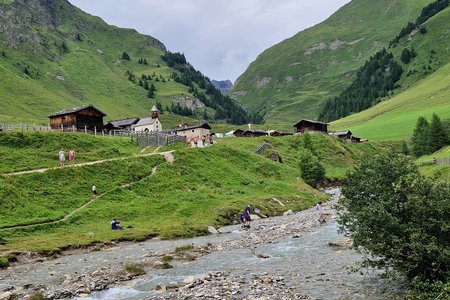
[287, 257]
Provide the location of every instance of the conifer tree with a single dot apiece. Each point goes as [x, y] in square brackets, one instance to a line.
[419, 140]
[437, 135]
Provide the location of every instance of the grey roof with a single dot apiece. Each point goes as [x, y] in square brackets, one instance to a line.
[73, 110]
[124, 122]
[310, 121]
[203, 125]
[146, 121]
[345, 132]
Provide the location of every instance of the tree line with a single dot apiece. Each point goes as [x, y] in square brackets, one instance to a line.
[428, 137]
[374, 80]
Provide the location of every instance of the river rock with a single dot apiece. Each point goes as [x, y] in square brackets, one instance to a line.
[6, 296]
[288, 213]
[212, 230]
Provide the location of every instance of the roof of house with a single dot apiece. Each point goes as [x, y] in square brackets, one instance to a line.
[202, 125]
[154, 108]
[146, 121]
[309, 121]
[344, 132]
[74, 110]
[124, 122]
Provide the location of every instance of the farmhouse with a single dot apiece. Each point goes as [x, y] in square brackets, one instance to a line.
[192, 131]
[125, 124]
[312, 126]
[150, 124]
[79, 118]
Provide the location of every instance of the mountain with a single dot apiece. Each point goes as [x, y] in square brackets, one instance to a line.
[424, 88]
[54, 56]
[293, 79]
[224, 86]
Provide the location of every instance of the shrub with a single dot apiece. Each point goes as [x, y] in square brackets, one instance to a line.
[4, 262]
[135, 269]
[184, 248]
[311, 170]
[167, 258]
[401, 218]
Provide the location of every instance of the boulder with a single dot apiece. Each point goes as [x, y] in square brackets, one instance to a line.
[6, 296]
[212, 230]
[288, 213]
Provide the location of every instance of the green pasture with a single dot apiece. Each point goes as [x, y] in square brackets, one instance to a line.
[202, 187]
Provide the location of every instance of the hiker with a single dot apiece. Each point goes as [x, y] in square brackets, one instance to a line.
[242, 218]
[115, 224]
[321, 218]
[94, 191]
[196, 138]
[203, 141]
[72, 157]
[62, 157]
[247, 216]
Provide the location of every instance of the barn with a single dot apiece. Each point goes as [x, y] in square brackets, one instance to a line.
[309, 125]
[78, 118]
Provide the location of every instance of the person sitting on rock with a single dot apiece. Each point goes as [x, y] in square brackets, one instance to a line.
[115, 224]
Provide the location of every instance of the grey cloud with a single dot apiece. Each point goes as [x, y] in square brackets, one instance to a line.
[220, 38]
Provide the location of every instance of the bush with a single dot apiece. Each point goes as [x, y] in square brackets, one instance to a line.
[311, 170]
[401, 217]
[135, 269]
[4, 262]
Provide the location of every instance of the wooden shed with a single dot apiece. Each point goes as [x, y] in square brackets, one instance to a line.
[81, 118]
[310, 125]
[343, 135]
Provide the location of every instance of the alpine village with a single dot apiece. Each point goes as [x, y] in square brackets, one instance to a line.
[321, 172]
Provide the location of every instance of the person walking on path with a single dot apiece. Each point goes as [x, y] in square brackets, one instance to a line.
[72, 157]
[94, 191]
[247, 216]
[62, 157]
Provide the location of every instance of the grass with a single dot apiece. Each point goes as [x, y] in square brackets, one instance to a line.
[32, 150]
[301, 79]
[90, 71]
[423, 93]
[135, 269]
[203, 187]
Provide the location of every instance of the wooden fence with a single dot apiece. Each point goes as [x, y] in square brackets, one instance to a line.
[144, 139]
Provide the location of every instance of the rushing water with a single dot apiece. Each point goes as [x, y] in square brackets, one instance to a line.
[307, 261]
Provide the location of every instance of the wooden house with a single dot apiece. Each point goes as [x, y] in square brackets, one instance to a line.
[80, 118]
[150, 124]
[310, 126]
[125, 124]
[343, 135]
[253, 133]
[238, 132]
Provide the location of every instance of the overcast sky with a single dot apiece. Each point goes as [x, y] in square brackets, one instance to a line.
[218, 37]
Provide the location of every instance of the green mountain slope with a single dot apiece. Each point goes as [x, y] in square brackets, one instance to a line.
[426, 87]
[55, 56]
[292, 79]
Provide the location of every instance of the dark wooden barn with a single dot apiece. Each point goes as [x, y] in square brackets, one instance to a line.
[253, 133]
[343, 135]
[309, 125]
[79, 118]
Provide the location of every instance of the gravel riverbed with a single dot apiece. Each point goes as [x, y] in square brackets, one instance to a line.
[286, 257]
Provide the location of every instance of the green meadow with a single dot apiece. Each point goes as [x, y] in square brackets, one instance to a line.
[203, 186]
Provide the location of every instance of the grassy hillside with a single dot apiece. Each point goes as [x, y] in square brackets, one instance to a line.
[54, 56]
[291, 80]
[426, 87]
[207, 186]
